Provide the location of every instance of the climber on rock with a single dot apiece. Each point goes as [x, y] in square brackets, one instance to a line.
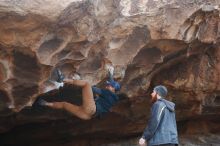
[92, 105]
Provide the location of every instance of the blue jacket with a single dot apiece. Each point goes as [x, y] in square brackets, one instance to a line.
[162, 127]
[106, 98]
[104, 101]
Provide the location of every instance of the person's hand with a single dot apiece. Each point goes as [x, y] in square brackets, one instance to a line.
[142, 141]
[110, 69]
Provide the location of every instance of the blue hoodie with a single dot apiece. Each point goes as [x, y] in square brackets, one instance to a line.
[162, 127]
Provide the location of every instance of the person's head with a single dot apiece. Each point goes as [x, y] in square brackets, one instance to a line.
[159, 91]
[113, 86]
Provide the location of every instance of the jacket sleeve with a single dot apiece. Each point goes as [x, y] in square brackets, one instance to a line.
[96, 90]
[157, 112]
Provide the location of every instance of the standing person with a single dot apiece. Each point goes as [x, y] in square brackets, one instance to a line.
[91, 104]
[161, 129]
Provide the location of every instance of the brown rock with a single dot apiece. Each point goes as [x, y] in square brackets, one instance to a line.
[150, 42]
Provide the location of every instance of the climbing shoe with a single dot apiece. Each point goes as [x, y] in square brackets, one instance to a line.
[60, 76]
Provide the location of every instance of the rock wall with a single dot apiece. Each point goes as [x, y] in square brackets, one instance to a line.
[150, 42]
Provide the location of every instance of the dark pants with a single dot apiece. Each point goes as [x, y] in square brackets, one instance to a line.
[167, 145]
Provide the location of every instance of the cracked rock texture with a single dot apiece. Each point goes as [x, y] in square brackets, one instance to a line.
[149, 42]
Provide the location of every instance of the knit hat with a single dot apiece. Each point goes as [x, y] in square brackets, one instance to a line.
[161, 90]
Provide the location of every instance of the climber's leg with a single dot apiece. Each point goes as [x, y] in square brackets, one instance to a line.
[78, 111]
[88, 107]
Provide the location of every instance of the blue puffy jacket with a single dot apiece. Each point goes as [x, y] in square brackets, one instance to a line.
[162, 127]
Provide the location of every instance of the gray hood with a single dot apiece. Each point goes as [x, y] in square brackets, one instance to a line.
[170, 105]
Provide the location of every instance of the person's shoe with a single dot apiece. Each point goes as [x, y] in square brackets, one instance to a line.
[60, 76]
